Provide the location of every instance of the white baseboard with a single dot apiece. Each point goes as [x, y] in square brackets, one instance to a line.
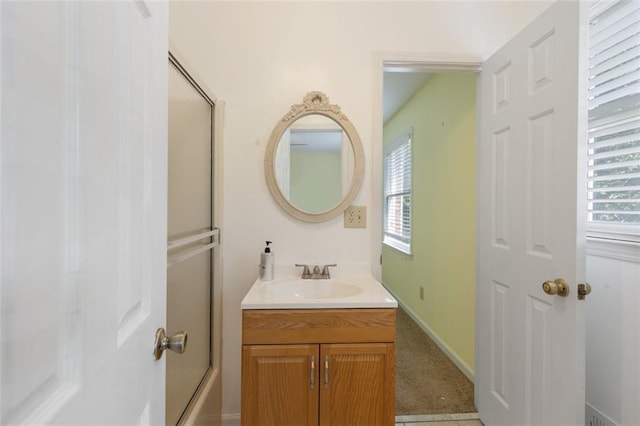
[462, 366]
[231, 419]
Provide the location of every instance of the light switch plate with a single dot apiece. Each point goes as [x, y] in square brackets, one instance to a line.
[355, 217]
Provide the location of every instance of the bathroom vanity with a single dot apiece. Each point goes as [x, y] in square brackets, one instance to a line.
[318, 352]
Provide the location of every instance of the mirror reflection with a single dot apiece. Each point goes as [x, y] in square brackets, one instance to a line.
[314, 163]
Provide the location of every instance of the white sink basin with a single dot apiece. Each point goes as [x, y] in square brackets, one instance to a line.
[316, 289]
[342, 291]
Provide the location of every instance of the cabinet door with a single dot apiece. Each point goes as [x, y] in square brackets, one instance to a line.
[357, 384]
[280, 385]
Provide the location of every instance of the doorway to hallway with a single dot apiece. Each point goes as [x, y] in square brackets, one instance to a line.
[428, 253]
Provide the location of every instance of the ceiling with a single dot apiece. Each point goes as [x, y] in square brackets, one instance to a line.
[316, 140]
[398, 87]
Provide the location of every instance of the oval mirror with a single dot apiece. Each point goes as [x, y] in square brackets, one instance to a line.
[314, 163]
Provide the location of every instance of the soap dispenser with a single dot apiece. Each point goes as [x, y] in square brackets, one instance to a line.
[266, 263]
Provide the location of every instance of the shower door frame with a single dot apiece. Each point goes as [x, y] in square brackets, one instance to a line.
[205, 406]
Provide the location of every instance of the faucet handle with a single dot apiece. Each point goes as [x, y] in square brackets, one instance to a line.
[325, 270]
[305, 270]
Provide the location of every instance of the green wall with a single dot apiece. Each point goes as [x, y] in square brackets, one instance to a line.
[315, 180]
[443, 116]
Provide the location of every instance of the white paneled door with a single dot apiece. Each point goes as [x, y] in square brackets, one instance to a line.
[532, 192]
[83, 217]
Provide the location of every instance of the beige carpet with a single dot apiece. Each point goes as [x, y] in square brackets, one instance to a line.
[427, 382]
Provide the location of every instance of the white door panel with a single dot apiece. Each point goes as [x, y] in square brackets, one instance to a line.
[83, 187]
[530, 345]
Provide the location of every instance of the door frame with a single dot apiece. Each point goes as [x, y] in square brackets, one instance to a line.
[206, 405]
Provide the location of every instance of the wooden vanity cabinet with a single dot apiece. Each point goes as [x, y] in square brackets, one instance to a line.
[318, 367]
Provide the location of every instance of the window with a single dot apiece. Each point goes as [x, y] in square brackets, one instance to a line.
[614, 121]
[397, 193]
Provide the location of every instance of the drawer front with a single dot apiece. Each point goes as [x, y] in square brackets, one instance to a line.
[276, 326]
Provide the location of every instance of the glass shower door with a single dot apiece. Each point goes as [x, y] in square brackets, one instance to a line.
[191, 238]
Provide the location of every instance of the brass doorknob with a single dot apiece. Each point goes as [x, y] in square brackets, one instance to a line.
[583, 290]
[557, 286]
[176, 343]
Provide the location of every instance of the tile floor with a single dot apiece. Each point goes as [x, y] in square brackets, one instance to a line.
[464, 419]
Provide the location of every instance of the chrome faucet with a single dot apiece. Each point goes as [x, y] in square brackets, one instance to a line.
[316, 274]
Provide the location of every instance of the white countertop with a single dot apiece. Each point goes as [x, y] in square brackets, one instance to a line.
[344, 290]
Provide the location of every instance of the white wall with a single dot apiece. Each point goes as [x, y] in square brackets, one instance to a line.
[613, 333]
[262, 57]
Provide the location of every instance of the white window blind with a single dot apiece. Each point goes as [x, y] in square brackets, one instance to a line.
[614, 120]
[397, 193]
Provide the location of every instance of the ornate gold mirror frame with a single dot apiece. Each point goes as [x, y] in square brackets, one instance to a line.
[315, 103]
